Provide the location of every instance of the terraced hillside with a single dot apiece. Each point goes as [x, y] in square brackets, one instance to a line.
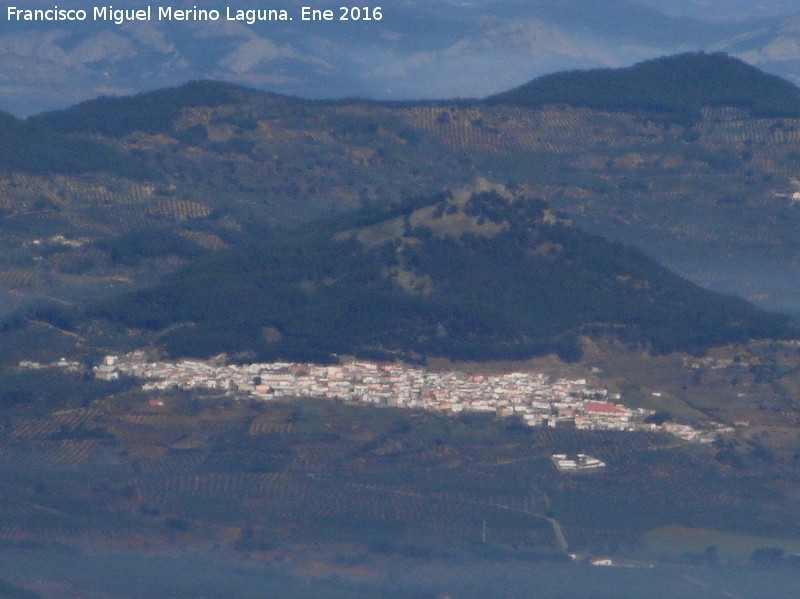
[209, 166]
[210, 218]
[169, 471]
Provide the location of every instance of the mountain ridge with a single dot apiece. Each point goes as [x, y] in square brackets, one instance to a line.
[682, 83]
[418, 51]
[149, 112]
[210, 165]
[475, 274]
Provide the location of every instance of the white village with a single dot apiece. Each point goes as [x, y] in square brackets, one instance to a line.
[532, 397]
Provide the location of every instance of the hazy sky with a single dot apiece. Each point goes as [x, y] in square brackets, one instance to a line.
[418, 49]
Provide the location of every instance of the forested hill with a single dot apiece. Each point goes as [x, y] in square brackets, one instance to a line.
[482, 274]
[680, 84]
[155, 111]
[30, 148]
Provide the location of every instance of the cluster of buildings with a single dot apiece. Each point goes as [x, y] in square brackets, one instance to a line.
[532, 397]
[581, 463]
[61, 363]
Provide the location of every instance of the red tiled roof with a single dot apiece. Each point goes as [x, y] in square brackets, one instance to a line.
[603, 407]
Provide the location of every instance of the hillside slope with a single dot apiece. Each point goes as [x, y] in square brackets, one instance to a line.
[84, 193]
[681, 84]
[476, 274]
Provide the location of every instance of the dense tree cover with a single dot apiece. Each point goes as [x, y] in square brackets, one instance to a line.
[529, 289]
[42, 388]
[146, 244]
[680, 84]
[58, 315]
[35, 149]
[149, 112]
[659, 417]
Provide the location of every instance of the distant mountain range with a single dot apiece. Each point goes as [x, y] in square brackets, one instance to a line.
[419, 49]
[698, 171]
